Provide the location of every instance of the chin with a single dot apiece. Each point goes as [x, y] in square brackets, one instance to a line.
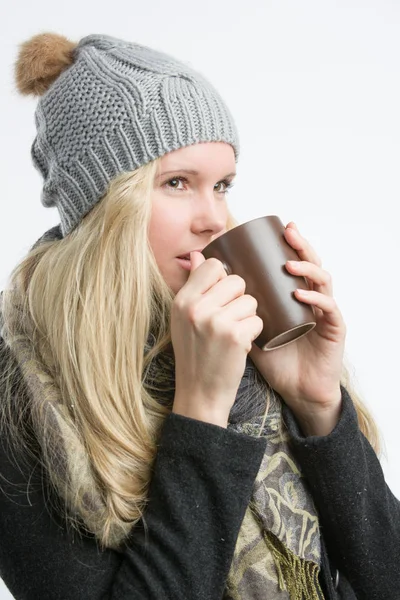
[176, 285]
[175, 279]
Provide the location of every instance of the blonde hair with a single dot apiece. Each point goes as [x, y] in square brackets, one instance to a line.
[88, 302]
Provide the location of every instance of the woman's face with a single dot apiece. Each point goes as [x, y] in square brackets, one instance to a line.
[189, 207]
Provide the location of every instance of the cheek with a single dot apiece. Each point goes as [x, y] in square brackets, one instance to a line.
[165, 232]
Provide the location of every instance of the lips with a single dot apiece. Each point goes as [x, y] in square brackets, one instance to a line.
[185, 263]
[187, 255]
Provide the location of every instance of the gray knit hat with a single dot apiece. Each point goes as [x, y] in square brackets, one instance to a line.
[109, 106]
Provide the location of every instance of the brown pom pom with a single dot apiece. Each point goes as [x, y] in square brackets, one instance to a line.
[40, 61]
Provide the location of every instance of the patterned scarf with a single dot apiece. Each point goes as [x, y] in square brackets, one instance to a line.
[278, 550]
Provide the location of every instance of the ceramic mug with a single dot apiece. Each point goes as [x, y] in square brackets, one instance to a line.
[258, 251]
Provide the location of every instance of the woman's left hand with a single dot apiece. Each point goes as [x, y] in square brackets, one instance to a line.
[306, 372]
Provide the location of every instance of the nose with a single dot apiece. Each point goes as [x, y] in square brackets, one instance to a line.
[209, 214]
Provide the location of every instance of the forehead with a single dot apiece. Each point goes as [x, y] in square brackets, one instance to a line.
[200, 158]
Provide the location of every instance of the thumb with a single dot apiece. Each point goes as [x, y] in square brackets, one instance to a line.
[196, 259]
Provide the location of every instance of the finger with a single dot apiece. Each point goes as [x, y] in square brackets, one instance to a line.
[316, 275]
[250, 329]
[326, 304]
[239, 308]
[204, 274]
[302, 247]
[196, 259]
[224, 291]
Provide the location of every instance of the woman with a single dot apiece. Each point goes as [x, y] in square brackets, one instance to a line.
[149, 449]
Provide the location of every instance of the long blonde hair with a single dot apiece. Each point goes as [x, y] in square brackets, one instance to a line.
[88, 302]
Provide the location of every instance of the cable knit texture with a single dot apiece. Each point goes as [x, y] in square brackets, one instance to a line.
[118, 106]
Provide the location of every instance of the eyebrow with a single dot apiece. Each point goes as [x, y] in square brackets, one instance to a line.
[190, 172]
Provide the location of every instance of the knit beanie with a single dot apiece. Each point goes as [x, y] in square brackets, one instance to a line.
[109, 106]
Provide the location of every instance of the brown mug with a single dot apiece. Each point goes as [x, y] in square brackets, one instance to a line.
[258, 251]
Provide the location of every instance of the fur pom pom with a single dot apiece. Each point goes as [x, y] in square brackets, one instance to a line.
[41, 60]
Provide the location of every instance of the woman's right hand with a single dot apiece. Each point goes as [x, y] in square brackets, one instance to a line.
[213, 325]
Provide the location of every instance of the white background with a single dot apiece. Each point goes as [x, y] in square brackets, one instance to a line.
[314, 88]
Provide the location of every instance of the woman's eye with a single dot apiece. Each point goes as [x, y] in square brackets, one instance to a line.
[222, 183]
[174, 180]
[228, 185]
